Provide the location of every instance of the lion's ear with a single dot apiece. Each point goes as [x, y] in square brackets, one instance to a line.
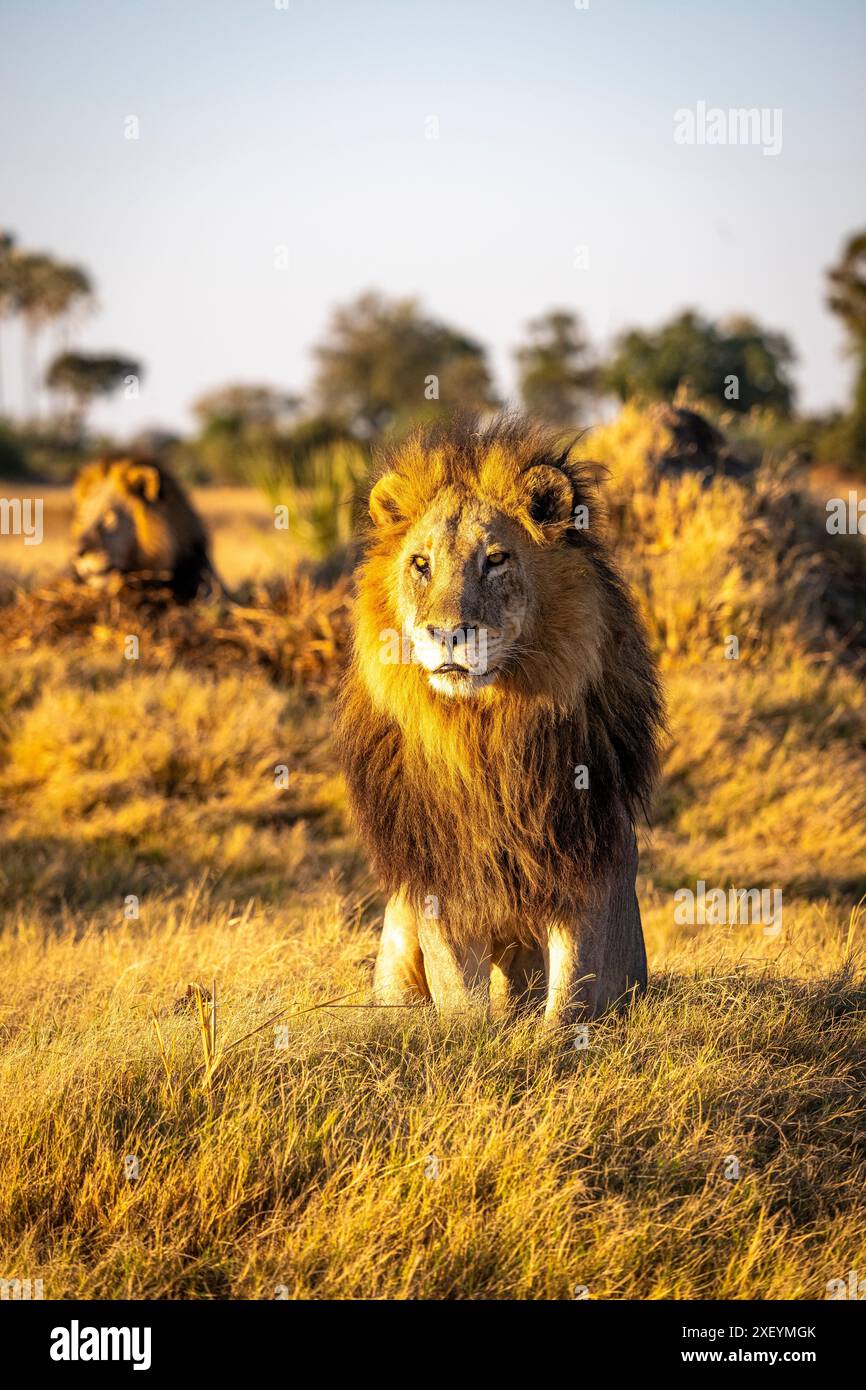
[384, 503]
[90, 475]
[547, 495]
[144, 480]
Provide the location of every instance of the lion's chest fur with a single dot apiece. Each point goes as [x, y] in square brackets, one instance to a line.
[507, 834]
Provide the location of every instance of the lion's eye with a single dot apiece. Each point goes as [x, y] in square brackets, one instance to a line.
[496, 558]
[420, 564]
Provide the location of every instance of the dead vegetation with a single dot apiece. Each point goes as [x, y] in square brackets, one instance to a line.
[292, 630]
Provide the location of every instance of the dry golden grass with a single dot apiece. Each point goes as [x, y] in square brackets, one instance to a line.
[379, 1154]
[296, 631]
[353, 1152]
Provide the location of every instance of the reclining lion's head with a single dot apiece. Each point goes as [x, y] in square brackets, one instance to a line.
[131, 517]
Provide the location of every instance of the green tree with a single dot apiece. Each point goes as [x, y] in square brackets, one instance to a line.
[847, 298]
[736, 362]
[83, 376]
[242, 406]
[244, 429]
[555, 376]
[384, 363]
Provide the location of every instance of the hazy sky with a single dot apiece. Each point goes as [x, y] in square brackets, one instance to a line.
[306, 127]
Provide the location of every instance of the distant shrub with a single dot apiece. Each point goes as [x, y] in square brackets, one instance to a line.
[323, 503]
[13, 463]
[39, 451]
[307, 440]
[228, 450]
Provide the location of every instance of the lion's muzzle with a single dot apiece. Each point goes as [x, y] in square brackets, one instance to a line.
[458, 660]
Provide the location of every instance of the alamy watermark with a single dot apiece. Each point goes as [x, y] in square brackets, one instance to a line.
[736, 125]
[851, 1288]
[77, 1343]
[846, 517]
[18, 1290]
[703, 906]
[22, 516]
[398, 648]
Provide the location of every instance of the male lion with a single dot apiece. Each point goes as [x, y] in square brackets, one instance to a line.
[498, 726]
[131, 517]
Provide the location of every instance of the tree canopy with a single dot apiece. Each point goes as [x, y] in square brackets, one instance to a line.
[385, 362]
[242, 405]
[555, 376]
[847, 298]
[736, 362]
[39, 290]
[847, 289]
[85, 375]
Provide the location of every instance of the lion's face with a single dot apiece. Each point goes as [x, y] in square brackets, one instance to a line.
[464, 593]
[475, 560]
[119, 525]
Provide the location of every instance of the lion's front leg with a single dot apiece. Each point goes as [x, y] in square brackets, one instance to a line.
[399, 974]
[572, 974]
[597, 960]
[458, 975]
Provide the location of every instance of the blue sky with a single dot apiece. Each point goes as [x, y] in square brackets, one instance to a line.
[305, 128]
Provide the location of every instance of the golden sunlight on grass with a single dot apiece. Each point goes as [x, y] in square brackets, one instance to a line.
[709, 1145]
[380, 1153]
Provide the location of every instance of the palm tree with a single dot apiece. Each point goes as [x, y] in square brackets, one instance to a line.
[67, 288]
[32, 273]
[7, 290]
[44, 290]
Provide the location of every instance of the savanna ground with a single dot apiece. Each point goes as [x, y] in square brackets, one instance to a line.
[352, 1152]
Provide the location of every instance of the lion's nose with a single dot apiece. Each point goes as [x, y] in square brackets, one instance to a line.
[464, 632]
